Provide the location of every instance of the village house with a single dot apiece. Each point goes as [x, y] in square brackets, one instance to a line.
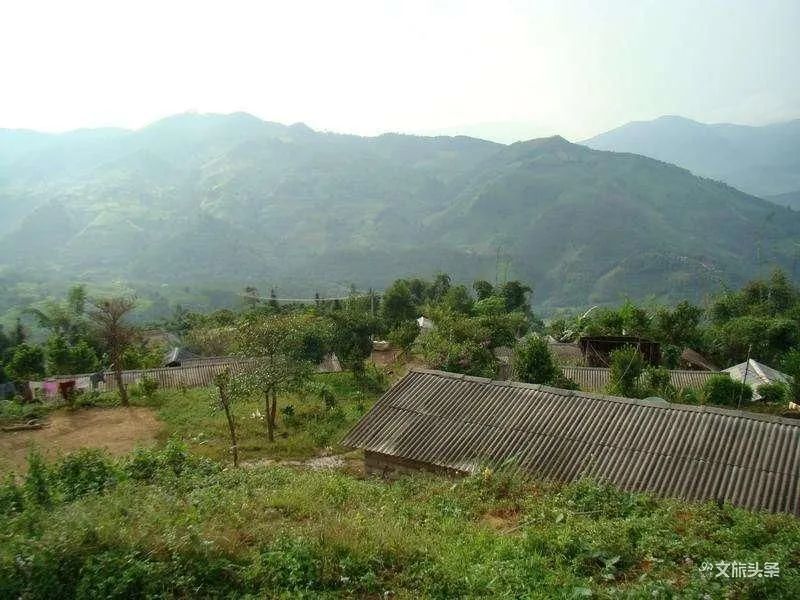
[451, 423]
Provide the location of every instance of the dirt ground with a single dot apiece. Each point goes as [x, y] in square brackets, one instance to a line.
[118, 430]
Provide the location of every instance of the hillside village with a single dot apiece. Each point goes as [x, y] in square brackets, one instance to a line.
[428, 379]
[400, 300]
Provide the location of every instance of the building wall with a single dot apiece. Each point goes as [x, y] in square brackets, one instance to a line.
[393, 467]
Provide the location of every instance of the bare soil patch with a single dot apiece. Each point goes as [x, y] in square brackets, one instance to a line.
[117, 430]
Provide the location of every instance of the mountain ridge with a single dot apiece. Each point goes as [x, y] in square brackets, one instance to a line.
[235, 199]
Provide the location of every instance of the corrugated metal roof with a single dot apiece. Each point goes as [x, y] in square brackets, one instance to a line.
[755, 374]
[595, 379]
[692, 452]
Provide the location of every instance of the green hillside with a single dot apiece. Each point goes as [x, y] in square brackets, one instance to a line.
[226, 200]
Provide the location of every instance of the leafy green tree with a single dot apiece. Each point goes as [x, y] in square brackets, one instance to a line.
[457, 300]
[352, 339]
[404, 334]
[791, 366]
[627, 365]
[439, 287]
[275, 345]
[515, 295]
[533, 362]
[398, 305]
[483, 289]
[27, 363]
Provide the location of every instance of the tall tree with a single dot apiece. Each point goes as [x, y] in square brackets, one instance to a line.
[109, 316]
[276, 346]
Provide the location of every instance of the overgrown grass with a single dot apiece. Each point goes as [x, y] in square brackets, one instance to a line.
[306, 428]
[161, 523]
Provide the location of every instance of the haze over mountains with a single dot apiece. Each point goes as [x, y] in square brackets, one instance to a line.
[763, 161]
[231, 200]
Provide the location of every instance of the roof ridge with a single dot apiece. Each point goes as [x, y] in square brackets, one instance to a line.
[660, 403]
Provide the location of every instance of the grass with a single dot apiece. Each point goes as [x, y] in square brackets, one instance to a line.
[306, 429]
[167, 524]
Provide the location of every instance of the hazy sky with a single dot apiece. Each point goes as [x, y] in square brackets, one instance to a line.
[506, 69]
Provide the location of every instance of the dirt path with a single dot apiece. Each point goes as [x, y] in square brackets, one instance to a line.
[118, 430]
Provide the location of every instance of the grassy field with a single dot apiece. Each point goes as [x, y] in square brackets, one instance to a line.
[165, 523]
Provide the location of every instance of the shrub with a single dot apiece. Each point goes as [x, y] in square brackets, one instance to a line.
[776, 392]
[533, 362]
[627, 365]
[85, 472]
[12, 498]
[404, 334]
[37, 481]
[724, 391]
[657, 382]
[146, 388]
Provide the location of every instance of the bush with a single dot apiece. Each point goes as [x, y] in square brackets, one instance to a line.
[85, 472]
[404, 334]
[775, 393]
[533, 362]
[37, 481]
[627, 365]
[724, 391]
[12, 498]
[146, 388]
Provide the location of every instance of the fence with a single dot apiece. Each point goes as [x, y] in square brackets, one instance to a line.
[196, 374]
[596, 379]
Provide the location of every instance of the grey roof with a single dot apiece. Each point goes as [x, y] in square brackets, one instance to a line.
[755, 374]
[595, 379]
[691, 452]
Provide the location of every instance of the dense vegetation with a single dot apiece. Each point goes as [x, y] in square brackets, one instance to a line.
[163, 523]
[192, 207]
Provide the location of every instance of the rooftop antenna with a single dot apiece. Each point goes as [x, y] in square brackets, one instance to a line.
[746, 369]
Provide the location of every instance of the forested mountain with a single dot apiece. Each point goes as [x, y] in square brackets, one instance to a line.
[764, 161]
[229, 200]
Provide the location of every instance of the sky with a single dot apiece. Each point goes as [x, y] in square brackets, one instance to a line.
[501, 69]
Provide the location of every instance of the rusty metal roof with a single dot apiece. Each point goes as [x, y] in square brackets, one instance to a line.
[595, 379]
[690, 452]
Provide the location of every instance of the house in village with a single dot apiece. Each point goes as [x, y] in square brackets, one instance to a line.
[451, 423]
[754, 374]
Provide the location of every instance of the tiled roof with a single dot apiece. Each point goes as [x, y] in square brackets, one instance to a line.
[595, 379]
[691, 452]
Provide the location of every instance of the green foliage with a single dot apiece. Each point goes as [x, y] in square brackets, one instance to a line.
[352, 339]
[27, 362]
[37, 481]
[627, 365]
[657, 382]
[773, 393]
[145, 388]
[533, 362]
[330, 535]
[724, 391]
[85, 472]
[404, 334]
[791, 366]
[397, 304]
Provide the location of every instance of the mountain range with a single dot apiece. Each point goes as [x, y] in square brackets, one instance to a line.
[226, 201]
[763, 161]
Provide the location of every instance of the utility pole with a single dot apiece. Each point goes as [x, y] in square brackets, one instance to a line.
[746, 370]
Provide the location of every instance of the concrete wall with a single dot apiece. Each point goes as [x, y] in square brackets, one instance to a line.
[393, 467]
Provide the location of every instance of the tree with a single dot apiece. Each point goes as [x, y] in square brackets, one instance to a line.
[352, 341]
[627, 365]
[222, 381]
[515, 295]
[724, 391]
[791, 366]
[397, 305]
[404, 334]
[483, 289]
[27, 363]
[533, 362]
[275, 346]
[109, 317]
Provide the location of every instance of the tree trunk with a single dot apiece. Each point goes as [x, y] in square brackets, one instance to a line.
[224, 400]
[123, 393]
[268, 417]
